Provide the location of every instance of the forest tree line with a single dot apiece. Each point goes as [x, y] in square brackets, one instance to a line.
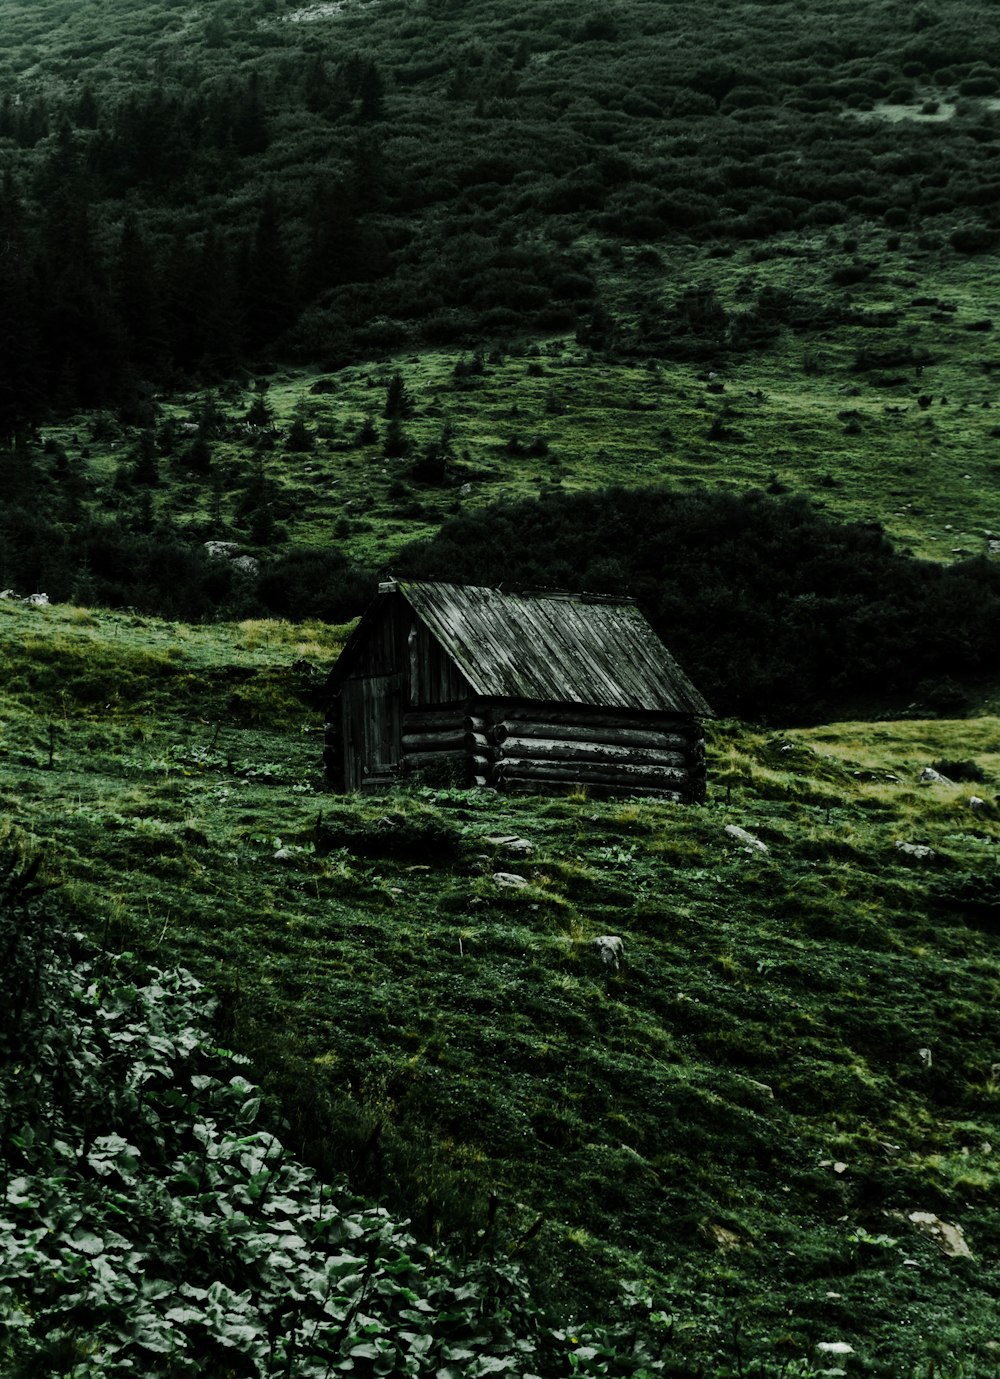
[445, 174]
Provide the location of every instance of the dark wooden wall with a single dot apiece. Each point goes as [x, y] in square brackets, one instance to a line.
[545, 748]
[392, 713]
[406, 709]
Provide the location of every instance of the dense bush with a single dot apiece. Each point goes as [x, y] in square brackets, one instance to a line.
[773, 609]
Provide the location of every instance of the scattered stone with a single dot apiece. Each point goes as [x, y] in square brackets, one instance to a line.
[249, 564]
[611, 950]
[32, 600]
[750, 843]
[283, 855]
[510, 842]
[925, 1057]
[835, 1347]
[977, 803]
[722, 1237]
[509, 880]
[761, 1087]
[222, 550]
[920, 852]
[949, 1239]
[840, 1167]
[928, 776]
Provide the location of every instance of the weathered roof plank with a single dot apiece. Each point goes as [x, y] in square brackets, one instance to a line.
[554, 647]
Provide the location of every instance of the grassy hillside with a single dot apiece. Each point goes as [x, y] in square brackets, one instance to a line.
[738, 1126]
[910, 443]
[310, 280]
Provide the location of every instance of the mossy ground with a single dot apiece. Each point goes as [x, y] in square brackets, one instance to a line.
[799, 1051]
[913, 446]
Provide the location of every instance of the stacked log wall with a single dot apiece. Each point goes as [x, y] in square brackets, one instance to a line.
[446, 742]
[543, 748]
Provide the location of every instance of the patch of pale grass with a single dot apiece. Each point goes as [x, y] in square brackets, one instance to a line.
[305, 639]
[907, 746]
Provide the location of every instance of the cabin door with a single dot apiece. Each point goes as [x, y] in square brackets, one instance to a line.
[373, 730]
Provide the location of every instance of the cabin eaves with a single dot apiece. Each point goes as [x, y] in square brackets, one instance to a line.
[549, 648]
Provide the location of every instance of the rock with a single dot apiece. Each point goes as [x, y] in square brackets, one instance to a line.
[509, 880]
[611, 950]
[949, 1239]
[835, 1347]
[722, 1237]
[750, 843]
[928, 776]
[37, 600]
[926, 1057]
[920, 852]
[510, 842]
[223, 550]
[9, 594]
[248, 564]
[976, 803]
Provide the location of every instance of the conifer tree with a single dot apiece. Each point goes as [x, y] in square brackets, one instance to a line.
[398, 402]
[266, 289]
[371, 95]
[136, 292]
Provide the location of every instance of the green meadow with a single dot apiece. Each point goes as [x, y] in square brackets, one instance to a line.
[911, 444]
[295, 296]
[727, 1142]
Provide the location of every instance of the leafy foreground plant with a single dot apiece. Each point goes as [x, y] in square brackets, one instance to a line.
[149, 1228]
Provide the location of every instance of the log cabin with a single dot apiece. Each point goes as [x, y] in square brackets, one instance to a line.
[534, 692]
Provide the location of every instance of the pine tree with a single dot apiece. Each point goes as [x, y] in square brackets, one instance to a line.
[371, 95]
[136, 289]
[21, 381]
[397, 442]
[398, 402]
[266, 288]
[250, 133]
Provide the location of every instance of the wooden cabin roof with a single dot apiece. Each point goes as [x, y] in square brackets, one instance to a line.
[567, 648]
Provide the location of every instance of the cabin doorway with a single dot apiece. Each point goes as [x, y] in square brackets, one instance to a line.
[372, 731]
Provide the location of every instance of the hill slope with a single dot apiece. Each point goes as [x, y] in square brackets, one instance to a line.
[744, 1123]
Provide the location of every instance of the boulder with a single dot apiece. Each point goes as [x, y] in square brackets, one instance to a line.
[510, 842]
[509, 880]
[919, 852]
[928, 776]
[748, 841]
[949, 1239]
[610, 949]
